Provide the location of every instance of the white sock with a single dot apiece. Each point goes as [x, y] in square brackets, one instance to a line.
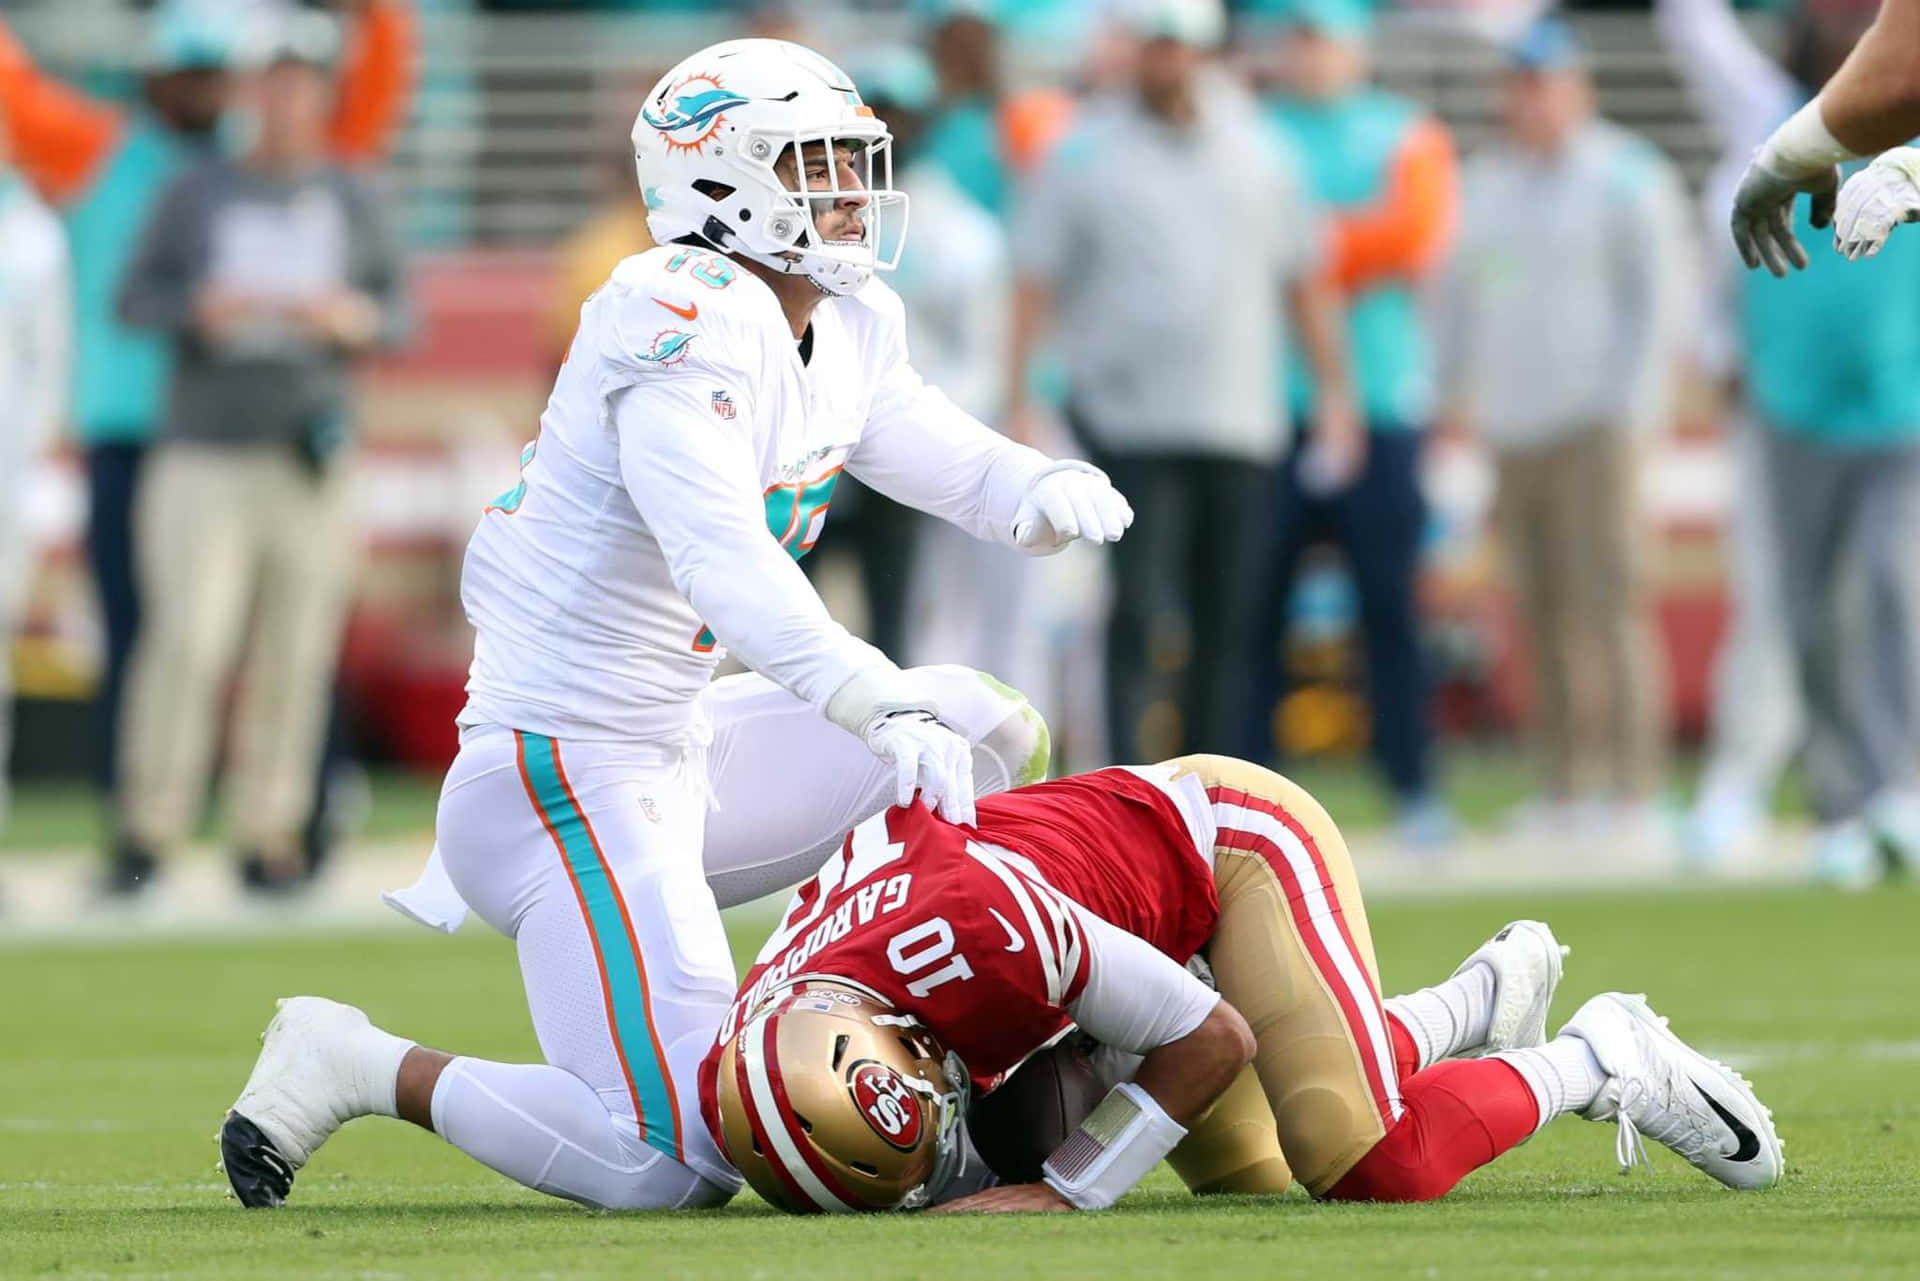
[376, 1062]
[1563, 1075]
[546, 1129]
[1449, 1018]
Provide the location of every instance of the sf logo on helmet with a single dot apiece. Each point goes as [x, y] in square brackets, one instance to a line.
[691, 112]
[887, 1103]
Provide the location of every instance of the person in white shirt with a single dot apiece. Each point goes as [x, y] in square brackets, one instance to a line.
[36, 319]
[716, 388]
[968, 601]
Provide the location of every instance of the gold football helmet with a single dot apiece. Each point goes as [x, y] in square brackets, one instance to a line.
[830, 1100]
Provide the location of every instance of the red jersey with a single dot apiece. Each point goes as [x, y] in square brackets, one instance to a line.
[1115, 843]
[975, 931]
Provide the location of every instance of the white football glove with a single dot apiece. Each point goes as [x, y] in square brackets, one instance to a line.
[1069, 500]
[1875, 200]
[889, 712]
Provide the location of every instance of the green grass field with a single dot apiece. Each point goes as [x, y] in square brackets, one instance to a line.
[1481, 780]
[116, 1063]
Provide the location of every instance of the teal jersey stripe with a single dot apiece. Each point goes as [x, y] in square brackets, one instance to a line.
[621, 967]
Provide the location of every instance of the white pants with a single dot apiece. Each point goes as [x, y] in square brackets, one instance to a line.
[589, 855]
[14, 563]
[1758, 716]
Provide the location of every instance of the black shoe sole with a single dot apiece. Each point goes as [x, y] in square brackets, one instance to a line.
[130, 873]
[256, 878]
[260, 1176]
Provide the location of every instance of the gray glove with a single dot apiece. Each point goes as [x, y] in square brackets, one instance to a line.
[1763, 215]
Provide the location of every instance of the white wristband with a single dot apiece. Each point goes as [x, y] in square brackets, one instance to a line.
[1115, 1147]
[865, 695]
[1803, 146]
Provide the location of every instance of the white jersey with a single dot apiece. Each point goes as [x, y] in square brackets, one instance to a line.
[685, 461]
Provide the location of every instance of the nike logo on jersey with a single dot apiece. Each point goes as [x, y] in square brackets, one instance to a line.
[689, 312]
[1749, 1141]
[1017, 944]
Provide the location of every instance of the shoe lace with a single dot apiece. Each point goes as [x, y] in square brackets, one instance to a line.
[1679, 1128]
[1628, 1147]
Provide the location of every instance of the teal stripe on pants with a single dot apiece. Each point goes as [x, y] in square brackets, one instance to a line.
[621, 967]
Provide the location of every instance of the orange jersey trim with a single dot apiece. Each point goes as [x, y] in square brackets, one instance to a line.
[1408, 229]
[376, 82]
[58, 136]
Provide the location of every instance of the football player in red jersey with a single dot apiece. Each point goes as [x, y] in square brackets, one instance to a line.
[928, 959]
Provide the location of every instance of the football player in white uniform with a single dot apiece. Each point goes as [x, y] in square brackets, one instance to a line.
[716, 388]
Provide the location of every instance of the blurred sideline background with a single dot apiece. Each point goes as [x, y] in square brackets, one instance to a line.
[510, 182]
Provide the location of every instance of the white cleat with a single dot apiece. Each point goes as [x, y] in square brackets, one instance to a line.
[304, 1086]
[1660, 1087]
[1526, 962]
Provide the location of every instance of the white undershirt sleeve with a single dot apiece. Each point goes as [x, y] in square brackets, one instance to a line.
[50, 335]
[1739, 88]
[694, 481]
[1136, 998]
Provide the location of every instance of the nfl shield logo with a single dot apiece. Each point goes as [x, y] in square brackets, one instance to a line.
[723, 404]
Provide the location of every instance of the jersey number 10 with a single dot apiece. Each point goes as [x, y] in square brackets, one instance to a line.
[926, 944]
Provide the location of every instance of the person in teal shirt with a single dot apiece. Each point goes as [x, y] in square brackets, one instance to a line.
[1830, 366]
[1384, 169]
[963, 130]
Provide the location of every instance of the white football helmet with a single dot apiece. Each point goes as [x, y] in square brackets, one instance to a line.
[705, 144]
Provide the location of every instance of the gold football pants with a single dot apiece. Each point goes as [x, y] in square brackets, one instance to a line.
[1293, 954]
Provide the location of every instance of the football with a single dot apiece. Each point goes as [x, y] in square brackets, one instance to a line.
[1017, 1126]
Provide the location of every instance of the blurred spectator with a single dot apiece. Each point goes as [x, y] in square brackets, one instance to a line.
[1563, 385]
[772, 20]
[963, 595]
[1827, 364]
[1032, 622]
[1163, 236]
[1386, 169]
[967, 602]
[35, 335]
[963, 132]
[106, 164]
[1757, 718]
[270, 275]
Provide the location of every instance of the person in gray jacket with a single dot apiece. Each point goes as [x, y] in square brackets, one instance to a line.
[1172, 245]
[1564, 385]
[273, 274]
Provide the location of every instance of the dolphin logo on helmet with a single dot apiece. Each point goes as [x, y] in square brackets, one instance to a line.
[716, 150]
[694, 113]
